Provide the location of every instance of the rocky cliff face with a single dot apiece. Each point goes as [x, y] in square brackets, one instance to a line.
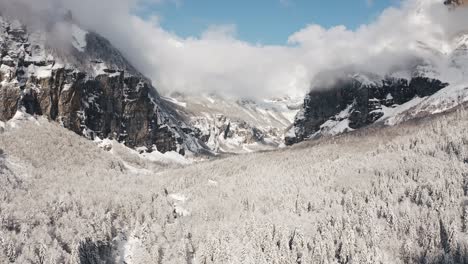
[88, 86]
[355, 102]
[361, 99]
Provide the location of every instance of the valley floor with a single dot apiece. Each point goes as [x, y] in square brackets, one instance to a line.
[394, 195]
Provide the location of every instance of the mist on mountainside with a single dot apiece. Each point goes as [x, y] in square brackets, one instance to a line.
[218, 62]
[100, 166]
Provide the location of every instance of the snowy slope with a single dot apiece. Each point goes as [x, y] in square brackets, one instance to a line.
[398, 195]
[454, 70]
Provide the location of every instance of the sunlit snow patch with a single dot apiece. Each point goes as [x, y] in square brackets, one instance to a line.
[133, 250]
[175, 101]
[210, 99]
[178, 197]
[79, 38]
[333, 128]
[180, 211]
[167, 158]
[339, 125]
[41, 72]
[20, 116]
[130, 250]
[212, 183]
[179, 200]
[392, 114]
[170, 157]
[105, 144]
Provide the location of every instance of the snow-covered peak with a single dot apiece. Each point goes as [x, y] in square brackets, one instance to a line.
[229, 125]
[367, 79]
[73, 47]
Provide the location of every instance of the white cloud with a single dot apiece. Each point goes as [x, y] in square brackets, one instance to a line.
[286, 2]
[217, 61]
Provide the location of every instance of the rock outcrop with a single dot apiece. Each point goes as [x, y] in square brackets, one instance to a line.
[89, 88]
[356, 102]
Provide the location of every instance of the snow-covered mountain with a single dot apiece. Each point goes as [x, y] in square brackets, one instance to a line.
[79, 79]
[360, 99]
[88, 86]
[228, 125]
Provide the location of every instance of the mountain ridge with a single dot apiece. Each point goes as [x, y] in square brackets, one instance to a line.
[88, 87]
[228, 125]
[361, 99]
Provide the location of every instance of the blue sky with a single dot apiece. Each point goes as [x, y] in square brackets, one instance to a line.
[263, 21]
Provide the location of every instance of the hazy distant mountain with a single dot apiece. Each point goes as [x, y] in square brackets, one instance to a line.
[228, 125]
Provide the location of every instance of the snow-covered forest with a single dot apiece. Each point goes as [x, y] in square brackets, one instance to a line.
[379, 195]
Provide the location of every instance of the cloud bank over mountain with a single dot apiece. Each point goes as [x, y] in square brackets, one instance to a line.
[219, 62]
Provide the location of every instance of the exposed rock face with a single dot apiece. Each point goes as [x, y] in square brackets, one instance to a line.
[91, 90]
[430, 86]
[355, 102]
